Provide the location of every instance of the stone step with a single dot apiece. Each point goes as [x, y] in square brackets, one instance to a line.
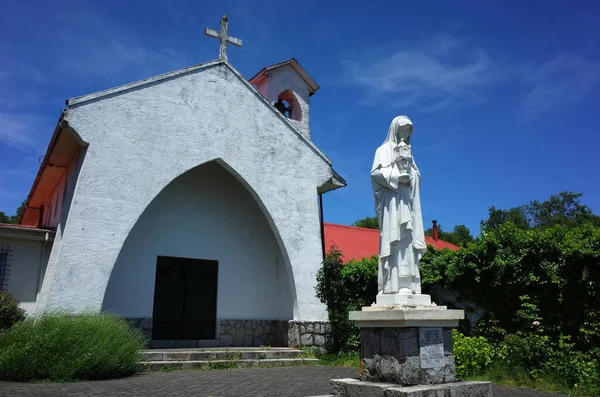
[224, 364]
[350, 387]
[224, 354]
[185, 344]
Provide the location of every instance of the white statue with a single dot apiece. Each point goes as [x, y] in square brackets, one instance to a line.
[396, 183]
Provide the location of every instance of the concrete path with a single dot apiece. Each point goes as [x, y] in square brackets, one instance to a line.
[251, 382]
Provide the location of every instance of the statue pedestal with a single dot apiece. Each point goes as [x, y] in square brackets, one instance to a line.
[403, 300]
[407, 349]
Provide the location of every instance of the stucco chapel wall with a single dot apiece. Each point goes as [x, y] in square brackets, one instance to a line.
[142, 139]
[205, 214]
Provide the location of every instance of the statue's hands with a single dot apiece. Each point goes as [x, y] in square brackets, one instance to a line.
[404, 179]
[397, 156]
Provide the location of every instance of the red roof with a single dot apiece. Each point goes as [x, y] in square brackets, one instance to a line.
[19, 226]
[359, 242]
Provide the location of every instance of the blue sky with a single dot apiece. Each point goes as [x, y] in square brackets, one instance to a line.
[504, 95]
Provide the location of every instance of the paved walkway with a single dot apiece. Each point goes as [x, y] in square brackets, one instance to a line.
[252, 382]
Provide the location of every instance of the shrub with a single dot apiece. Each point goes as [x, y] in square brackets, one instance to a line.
[10, 312]
[344, 288]
[528, 352]
[549, 276]
[578, 371]
[531, 360]
[473, 355]
[63, 347]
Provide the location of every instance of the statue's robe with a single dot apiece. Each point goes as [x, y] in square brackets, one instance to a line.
[398, 207]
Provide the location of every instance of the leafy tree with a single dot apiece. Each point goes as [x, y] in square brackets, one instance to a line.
[563, 209]
[5, 218]
[368, 222]
[13, 218]
[460, 235]
[497, 217]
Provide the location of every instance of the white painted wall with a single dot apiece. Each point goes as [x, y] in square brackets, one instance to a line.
[143, 138]
[26, 264]
[204, 214]
[285, 298]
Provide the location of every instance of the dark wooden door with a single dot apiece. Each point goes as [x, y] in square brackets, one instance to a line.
[169, 299]
[185, 299]
[201, 300]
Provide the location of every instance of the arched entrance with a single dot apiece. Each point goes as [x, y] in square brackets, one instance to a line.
[202, 255]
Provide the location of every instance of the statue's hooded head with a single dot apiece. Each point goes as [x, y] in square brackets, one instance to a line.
[401, 128]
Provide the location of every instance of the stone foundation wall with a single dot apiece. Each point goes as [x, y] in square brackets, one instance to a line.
[308, 333]
[253, 333]
[237, 333]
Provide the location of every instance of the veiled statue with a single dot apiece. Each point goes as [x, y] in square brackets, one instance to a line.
[396, 184]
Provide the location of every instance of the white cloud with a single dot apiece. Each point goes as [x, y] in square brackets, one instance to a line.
[439, 73]
[559, 82]
[450, 72]
[19, 131]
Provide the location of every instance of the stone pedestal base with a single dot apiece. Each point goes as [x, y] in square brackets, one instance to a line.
[356, 388]
[407, 345]
[392, 355]
[403, 300]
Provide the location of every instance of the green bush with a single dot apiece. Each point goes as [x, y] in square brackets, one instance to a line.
[343, 288]
[64, 347]
[10, 312]
[473, 355]
[548, 276]
[579, 371]
[531, 360]
[534, 360]
[528, 352]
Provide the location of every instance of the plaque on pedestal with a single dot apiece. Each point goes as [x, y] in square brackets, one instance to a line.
[431, 347]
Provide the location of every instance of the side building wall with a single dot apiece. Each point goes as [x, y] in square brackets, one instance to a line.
[23, 257]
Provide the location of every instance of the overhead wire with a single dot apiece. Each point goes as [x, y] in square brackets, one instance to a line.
[349, 205]
[364, 191]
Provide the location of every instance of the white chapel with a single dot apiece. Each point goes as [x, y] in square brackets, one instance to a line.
[187, 203]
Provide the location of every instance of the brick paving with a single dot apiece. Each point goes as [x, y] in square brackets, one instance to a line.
[251, 382]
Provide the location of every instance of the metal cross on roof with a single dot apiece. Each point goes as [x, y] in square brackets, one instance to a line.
[222, 36]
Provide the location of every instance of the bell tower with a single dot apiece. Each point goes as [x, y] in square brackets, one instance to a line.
[288, 87]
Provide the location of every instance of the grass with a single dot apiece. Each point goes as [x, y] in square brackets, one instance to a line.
[342, 359]
[518, 377]
[223, 365]
[67, 348]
